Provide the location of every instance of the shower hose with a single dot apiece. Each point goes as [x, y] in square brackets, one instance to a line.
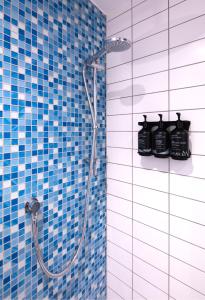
[34, 213]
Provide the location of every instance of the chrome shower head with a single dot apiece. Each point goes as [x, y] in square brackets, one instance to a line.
[117, 44]
[114, 44]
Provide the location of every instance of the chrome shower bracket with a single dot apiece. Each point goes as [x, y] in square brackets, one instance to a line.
[33, 206]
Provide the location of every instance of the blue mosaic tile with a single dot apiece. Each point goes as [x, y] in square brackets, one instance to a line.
[45, 137]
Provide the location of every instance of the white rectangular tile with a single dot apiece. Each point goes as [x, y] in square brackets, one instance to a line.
[147, 9]
[136, 2]
[119, 288]
[194, 166]
[119, 205]
[119, 73]
[151, 198]
[135, 140]
[188, 231]
[137, 296]
[148, 290]
[151, 255]
[120, 255]
[151, 45]
[185, 11]
[120, 23]
[119, 139]
[150, 162]
[119, 89]
[179, 290]
[150, 274]
[113, 10]
[187, 76]
[117, 221]
[187, 187]
[117, 58]
[188, 209]
[150, 64]
[119, 156]
[150, 83]
[120, 189]
[119, 172]
[150, 102]
[151, 236]
[195, 116]
[174, 2]
[187, 54]
[152, 179]
[193, 255]
[151, 26]
[190, 98]
[111, 295]
[197, 143]
[119, 238]
[119, 271]
[190, 276]
[150, 217]
[187, 32]
[119, 123]
[119, 106]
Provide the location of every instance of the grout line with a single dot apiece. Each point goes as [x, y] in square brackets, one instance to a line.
[158, 52]
[147, 18]
[153, 228]
[152, 170]
[169, 160]
[125, 284]
[146, 262]
[132, 70]
[114, 291]
[108, 21]
[138, 5]
[151, 112]
[160, 211]
[160, 91]
[157, 249]
[135, 149]
[158, 72]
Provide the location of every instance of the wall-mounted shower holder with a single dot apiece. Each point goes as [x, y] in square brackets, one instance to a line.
[33, 206]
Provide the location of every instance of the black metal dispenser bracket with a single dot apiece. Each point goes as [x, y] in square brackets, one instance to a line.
[167, 124]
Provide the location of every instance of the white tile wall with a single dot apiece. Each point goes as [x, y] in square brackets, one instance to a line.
[155, 207]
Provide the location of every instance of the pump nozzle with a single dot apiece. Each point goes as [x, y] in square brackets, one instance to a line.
[179, 122]
[178, 115]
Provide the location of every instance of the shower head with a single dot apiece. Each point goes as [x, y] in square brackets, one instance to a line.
[114, 44]
[117, 44]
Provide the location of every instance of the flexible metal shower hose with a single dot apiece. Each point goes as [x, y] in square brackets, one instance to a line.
[87, 194]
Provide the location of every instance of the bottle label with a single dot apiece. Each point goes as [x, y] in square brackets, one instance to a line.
[180, 144]
[144, 142]
[161, 143]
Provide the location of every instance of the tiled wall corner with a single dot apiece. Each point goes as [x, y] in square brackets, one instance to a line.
[155, 207]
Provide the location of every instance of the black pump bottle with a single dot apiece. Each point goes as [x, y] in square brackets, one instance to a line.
[145, 139]
[179, 139]
[160, 141]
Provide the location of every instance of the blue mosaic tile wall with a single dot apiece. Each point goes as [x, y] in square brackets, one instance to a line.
[45, 139]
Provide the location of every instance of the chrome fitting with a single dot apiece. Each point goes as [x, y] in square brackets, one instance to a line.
[33, 206]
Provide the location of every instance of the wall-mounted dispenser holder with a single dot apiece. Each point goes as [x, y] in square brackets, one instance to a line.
[167, 138]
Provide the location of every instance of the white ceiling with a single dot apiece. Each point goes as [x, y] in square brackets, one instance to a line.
[112, 8]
